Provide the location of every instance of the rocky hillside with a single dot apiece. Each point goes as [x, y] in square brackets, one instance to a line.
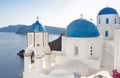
[56, 44]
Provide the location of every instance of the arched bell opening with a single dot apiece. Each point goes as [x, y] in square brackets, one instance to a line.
[32, 57]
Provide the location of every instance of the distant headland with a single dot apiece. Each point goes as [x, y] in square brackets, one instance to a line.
[23, 29]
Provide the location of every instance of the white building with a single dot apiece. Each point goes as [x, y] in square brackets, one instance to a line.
[84, 47]
[108, 22]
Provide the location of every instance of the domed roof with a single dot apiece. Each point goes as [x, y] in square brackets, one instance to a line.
[81, 28]
[107, 10]
[37, 27]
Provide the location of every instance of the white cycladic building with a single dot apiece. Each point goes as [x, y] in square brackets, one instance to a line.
[108, 22]
[83, 42]
[84, 46]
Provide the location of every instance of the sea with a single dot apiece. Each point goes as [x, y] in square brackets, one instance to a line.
[11, 65]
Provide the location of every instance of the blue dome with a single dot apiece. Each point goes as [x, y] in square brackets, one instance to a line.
[37, 27]
[107, 10]
[81, 28]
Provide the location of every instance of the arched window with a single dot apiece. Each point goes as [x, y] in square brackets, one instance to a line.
[37, 28]
[107, 21]
[106, 34]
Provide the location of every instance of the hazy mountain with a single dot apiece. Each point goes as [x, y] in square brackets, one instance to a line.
[54, 30]
[10, 28]
[23, 29]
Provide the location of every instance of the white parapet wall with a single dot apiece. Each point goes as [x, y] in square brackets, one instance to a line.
[117, 50]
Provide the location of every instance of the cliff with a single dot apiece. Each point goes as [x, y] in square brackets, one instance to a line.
[56, 44]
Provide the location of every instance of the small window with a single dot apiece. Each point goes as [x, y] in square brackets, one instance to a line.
[90, 47]
[99, 21]
[38, 44]
[107, 21]
[91, 51]
[106, 33]
[76, 50]
[91, 54]
[32, 57]
[119, 20]
[115, 21]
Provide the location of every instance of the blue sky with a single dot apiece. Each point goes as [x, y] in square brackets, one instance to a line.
[51, 12]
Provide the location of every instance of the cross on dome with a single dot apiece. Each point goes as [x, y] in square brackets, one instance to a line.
[81, 15]
[37, 18]
[107, 2]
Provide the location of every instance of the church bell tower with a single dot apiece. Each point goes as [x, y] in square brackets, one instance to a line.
[37, 46]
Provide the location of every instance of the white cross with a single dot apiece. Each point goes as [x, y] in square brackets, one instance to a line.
[81, 15]
[37, 18]
[107, 3]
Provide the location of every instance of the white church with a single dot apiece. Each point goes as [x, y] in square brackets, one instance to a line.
[86, 48]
